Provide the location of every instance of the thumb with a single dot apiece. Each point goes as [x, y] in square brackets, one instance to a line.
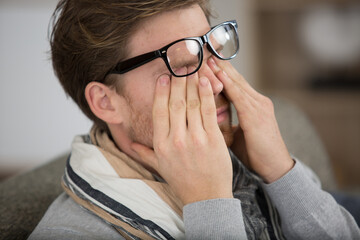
[146, 155]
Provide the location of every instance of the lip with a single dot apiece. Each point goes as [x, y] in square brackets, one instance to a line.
[221, 110]
[222, 113]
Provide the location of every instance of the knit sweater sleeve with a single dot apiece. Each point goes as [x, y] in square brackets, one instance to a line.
[214, 219]
[308, 212]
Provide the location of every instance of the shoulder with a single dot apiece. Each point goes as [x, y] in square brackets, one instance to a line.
[65, 219]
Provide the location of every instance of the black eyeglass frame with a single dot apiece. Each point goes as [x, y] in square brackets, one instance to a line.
[135, 62]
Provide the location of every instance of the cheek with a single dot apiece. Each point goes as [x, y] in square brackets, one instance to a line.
[140, 96]
[141, 130]
[140, 89]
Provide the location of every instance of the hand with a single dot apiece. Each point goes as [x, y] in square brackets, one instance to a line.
[258, 141]
[189, 151]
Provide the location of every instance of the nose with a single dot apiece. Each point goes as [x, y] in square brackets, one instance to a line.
[206, 71]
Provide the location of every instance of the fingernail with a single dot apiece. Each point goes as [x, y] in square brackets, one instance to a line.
[204, 81]
[225, 73]
[164, 80]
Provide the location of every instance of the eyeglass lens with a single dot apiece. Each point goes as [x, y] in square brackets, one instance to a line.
[184, 54]
[187, 53]
[224, 41]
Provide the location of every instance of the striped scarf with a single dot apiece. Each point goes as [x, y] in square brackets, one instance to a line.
[108, 183]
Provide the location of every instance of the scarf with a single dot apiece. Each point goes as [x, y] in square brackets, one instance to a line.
[140, 205]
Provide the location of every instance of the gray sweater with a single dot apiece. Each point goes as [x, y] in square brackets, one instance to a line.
[306, 212]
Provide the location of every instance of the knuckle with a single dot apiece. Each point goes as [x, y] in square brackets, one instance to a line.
[160, 112]
[208, 93]
[209, 110]
[197, 141]
[178, 143]
[193, 104]
[267, 103]
[177, 105]
[160, 147]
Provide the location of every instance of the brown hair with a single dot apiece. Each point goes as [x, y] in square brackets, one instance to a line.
[90, 36]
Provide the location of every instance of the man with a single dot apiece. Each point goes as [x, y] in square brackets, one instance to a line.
[154, 78]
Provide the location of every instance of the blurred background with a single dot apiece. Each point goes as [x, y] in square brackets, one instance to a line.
[38, 121]
[307, 52]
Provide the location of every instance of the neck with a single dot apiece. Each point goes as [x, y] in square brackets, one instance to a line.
[122, 140]
[123, 143]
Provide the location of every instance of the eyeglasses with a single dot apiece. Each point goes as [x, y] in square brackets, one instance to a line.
[222, 41]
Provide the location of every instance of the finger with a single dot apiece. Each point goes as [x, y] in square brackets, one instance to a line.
[161, 123]
[146, 156]
[219, 66]
[241, 94]
[228, 75]
[177, 103]
[208, 108]
[193, 103]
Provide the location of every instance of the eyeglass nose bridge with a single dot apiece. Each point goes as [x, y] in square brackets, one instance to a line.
[205, 41]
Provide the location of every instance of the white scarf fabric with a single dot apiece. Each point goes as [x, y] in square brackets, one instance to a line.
[90, 175]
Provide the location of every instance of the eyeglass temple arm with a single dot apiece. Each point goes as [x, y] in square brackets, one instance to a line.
[132, 63]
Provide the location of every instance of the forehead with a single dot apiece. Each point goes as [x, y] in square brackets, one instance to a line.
[167, 27]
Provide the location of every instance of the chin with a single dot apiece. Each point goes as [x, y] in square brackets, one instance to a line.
[229, 138]
[227, 130]
[225, 124]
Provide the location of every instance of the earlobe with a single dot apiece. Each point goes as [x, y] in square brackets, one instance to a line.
[100, 99]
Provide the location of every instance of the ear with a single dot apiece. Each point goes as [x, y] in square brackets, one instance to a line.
[102, 102]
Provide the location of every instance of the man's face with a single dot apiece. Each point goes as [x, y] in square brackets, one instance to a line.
[139, 84]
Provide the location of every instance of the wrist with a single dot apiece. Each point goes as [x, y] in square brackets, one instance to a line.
[278, 170]
[207, 196]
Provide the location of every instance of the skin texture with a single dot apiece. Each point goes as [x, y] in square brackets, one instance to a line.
[180, 127]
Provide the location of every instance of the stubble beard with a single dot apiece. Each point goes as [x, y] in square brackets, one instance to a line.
[226, 126]
[141, 126]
